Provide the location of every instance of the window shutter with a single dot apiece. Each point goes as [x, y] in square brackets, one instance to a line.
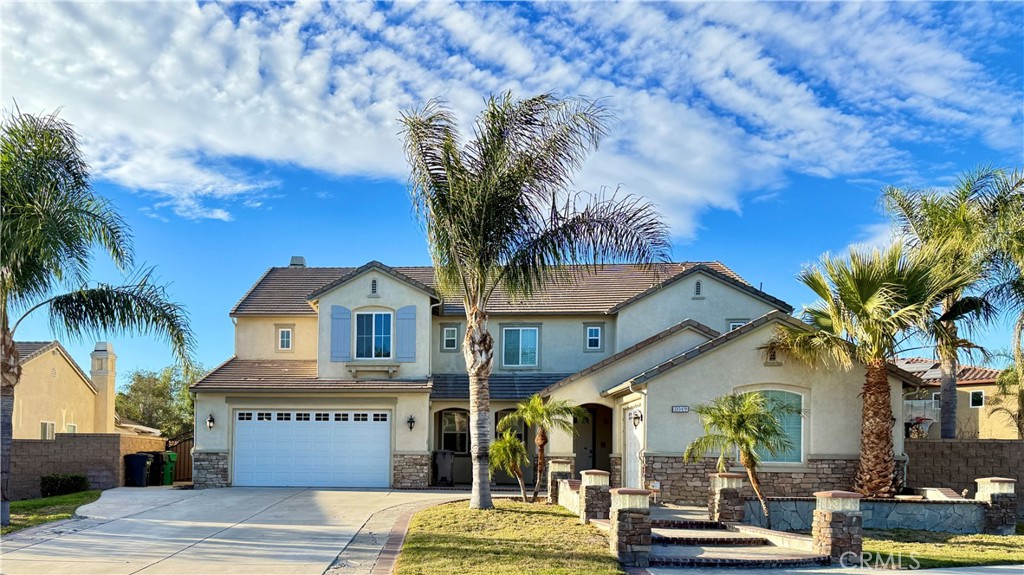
[405, 334]
[341, 333]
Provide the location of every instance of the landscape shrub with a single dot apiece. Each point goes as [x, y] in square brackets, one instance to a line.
[63, 483]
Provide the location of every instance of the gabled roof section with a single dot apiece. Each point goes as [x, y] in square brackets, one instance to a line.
[373, 265]
[714, 270]
[683, 325]
[726, 339]
[284, 290]
[29, 350]
[928, 371]
[267, 375]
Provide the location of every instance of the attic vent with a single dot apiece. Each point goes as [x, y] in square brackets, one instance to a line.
[297, 262]
[373, 287]
[697, 288]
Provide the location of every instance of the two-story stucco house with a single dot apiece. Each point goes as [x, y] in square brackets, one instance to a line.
[355, 377]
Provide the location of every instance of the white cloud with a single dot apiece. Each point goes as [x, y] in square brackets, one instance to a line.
[714, 104]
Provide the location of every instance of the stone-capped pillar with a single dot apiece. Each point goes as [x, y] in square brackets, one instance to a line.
[725, 499]
[557, 469]
[1000, 493]
[630, 534]
[104, 378]
[837, 530]
[595, 495]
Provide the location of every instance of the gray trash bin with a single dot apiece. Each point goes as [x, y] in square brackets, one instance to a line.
[444, 467]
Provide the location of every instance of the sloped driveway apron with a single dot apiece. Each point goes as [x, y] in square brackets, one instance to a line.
[153, 531]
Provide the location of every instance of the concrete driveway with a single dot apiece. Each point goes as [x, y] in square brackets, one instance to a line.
[255, 531]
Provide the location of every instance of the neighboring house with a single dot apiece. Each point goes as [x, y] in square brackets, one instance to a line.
[975, 390]
[355, 376]
[56, 396]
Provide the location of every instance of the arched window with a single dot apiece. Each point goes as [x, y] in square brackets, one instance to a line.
[517, 429]
[373, 287]
[697, 288]
[793, 425]
[455, 430]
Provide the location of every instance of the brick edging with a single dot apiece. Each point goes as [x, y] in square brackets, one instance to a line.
[385, 563]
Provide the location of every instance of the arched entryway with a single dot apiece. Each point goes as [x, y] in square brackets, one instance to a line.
[593, 441]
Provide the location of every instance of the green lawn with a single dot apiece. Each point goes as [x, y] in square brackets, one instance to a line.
[932, 549]
[32, 512]
[512, 539]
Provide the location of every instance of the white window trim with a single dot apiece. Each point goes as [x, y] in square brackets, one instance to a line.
[355, 338]
[970, 398]
[520, 365]
[291, 339]
[587, 326]
[48, 430]
[738, 322]
[444, 337]
[936, 396]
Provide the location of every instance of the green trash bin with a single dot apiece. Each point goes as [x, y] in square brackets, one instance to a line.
[170, 458]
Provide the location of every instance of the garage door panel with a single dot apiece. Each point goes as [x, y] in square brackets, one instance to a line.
[346, 448]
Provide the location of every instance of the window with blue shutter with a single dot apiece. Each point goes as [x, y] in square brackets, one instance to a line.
[405, 334]
[341, 333]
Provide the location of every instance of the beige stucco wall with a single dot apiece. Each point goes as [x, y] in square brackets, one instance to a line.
[52, 390]
[973, 422]
[561, 344]
[392, 295]
[256, 337]
[718, 304]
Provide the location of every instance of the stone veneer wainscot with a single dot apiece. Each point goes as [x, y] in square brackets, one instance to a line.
[210, 469]
[410, 471]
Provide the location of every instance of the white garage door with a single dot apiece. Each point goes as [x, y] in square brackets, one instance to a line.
[311, 448]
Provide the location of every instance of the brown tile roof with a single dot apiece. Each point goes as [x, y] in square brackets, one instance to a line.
[291, 375]
[28, 349]
[686, 324]
[285, 290]
[928, 371]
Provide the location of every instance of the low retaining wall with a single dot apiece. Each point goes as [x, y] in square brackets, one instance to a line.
[956, 463]
[797, 514]
[98, 456]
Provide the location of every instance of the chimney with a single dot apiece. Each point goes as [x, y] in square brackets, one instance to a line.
[104, 376]
[297, 262]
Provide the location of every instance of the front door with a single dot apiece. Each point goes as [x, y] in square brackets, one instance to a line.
[583, 443]
[632, 470]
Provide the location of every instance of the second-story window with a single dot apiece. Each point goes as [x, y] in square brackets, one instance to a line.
[736, 323]
[450, 338]
[373, 335]
[519, 346]
[284, 339]
[594, 337]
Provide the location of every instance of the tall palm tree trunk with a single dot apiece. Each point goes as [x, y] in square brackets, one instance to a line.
[541, 440]
[478, 350]
[948, 368]
[876, 475]
[10, 374]
[755, 482]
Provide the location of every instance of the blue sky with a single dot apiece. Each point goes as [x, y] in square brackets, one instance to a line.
[232, 137]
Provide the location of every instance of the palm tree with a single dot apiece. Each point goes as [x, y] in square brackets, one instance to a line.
[1009, 246]
[868, 302]
[498, 215]
[508, 454]
[956, 226]
[52, 221]
[543, 416]
[745, 423]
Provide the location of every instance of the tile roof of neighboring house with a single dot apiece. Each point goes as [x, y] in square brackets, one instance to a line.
[291, 375]
[725, 339]
[514, 386]
[285, 290]
[29, 350]
[928, 371]
[685, 324]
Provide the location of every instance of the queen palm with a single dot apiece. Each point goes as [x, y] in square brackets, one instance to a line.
[1008, 240]
[747, 424]
[543, 416]
[498, 215]
[52, 222]
[958, 225]
[508, 454]
[869, 302]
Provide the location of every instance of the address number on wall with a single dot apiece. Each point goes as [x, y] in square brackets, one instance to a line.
[680, 409]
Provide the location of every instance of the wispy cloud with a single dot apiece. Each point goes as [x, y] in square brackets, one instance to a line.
[716, 103]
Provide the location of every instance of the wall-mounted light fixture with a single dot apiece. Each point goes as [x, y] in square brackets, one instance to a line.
[209, 422]
[411, 422]
[637, 418]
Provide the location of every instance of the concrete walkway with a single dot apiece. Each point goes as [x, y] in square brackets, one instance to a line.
[254, 531]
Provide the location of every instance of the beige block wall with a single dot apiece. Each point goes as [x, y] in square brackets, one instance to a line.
[718, 304]
[52, 390]
[562, 342]
[392, 295]
[256, 337]
[831, 397]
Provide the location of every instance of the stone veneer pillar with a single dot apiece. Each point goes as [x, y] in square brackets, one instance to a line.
[837, 529]
[630, 520]
[410, 471]
[557, 469]
[209, 469]
[595, 495]
[1001, 512]
[725, 498]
